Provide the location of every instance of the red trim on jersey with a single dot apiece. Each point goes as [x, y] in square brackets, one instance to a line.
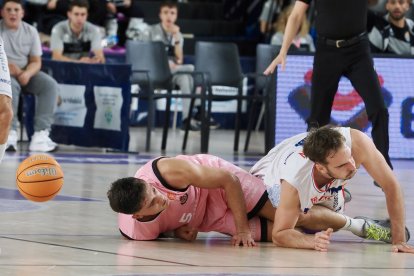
[316, 186]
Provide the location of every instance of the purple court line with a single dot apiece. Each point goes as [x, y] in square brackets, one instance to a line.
[73, 158]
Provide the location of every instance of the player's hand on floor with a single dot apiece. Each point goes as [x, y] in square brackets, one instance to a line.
[402, 247]
[243, 239]
[186, 232]
[322, 240]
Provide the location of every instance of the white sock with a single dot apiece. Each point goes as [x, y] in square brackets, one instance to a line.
[2, 150]
[354, 225]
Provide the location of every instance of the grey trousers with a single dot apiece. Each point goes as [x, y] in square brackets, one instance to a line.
[186, 84]
[45, 89]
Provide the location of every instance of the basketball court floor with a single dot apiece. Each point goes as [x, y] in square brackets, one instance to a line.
[76, 233]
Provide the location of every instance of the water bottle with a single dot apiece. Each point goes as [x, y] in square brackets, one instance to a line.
[112, 30]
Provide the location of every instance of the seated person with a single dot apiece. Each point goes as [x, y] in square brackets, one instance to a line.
[56, 11]
[269, 13]
[393, 33]
[303, 40]
[169, 33]
[23, 51]
[74, 39]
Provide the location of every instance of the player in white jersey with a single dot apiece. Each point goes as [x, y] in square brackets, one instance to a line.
[312, 169]
[6, 111]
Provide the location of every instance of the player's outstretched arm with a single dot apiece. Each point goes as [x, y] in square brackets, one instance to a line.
[292, 26]
[287, 214]
[366, 154]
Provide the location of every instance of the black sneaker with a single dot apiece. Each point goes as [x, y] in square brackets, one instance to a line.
[11, 148]
[193, 125]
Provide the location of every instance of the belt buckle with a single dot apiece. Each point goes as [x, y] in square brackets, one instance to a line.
[337, 43]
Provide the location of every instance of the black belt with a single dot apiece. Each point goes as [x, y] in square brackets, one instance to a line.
[340, 43]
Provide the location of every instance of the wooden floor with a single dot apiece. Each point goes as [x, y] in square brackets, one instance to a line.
[77, 233]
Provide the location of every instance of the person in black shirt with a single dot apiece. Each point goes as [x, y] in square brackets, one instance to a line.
[393, 33]
[342, 49]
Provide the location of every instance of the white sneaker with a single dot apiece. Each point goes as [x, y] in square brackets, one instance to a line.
[12, 141]
[42, 142]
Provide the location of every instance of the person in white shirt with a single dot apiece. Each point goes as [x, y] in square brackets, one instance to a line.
[311, 169]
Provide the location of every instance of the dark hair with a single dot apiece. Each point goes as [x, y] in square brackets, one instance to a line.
[14, 1]
[126, 195]
[168, 4]
[78, 3]
[321, 142]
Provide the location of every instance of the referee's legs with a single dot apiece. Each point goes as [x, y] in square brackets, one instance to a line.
[365, 80]
[325, 80]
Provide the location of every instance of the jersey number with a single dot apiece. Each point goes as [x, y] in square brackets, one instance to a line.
[186, 217]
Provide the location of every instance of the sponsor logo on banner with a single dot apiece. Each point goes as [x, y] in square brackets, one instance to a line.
[397, 85]
[229, 106]
[71, 109]
[108, 102]
[348, 107]
[108, 115]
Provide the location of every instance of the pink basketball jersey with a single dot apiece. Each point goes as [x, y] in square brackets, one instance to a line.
[204, 209]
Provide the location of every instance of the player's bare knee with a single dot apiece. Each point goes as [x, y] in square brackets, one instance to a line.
[6, 114]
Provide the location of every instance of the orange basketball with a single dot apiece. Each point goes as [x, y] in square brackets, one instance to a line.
[39, 177]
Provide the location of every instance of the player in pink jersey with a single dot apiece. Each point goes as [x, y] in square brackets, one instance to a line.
[188, 194]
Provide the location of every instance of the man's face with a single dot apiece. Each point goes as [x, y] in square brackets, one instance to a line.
[154, 203]
[78, 16]
[340, 165]
[397, 8]
[12, 14]
[168, 16]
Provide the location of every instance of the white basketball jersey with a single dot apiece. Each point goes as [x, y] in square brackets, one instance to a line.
[287, 161]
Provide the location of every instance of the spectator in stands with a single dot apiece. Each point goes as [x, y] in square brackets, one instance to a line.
[394, 33]
[169, 33]
[44, 14]
[23, 50]
[269, 14]
[74, 39]
[302, 41]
